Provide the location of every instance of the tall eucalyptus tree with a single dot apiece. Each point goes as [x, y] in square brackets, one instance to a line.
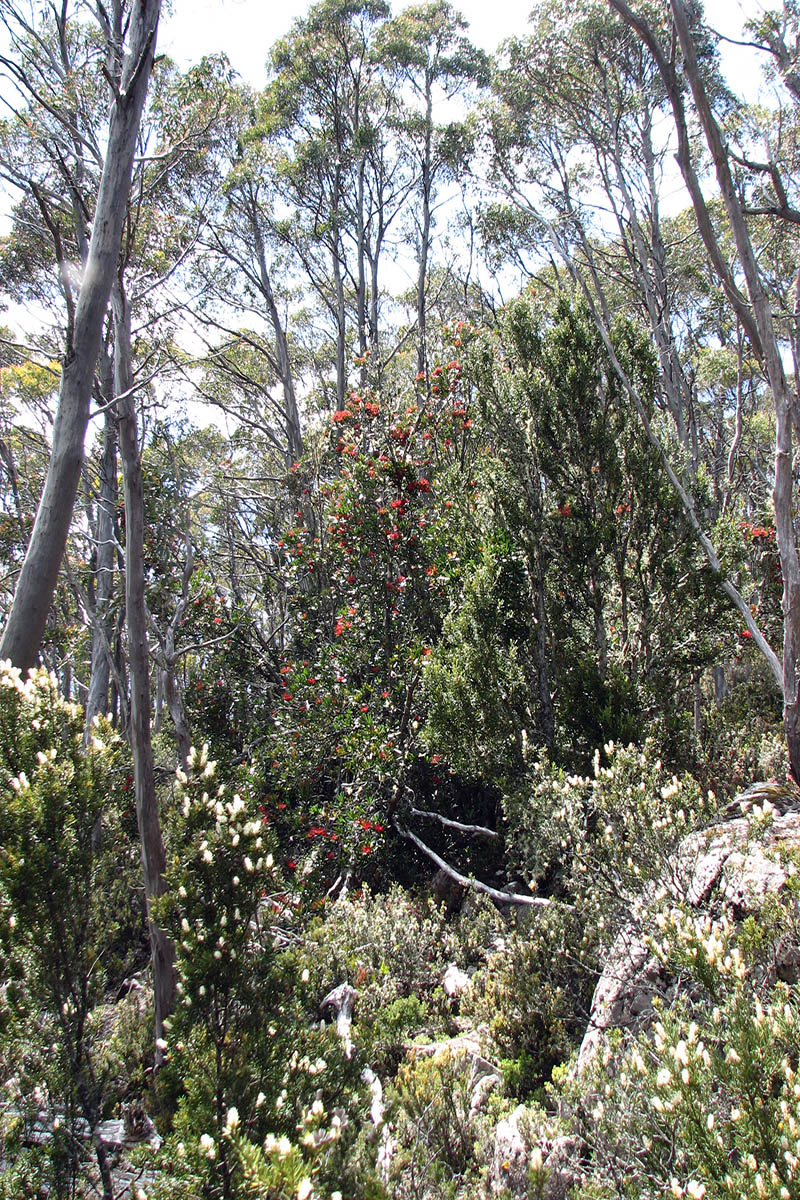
[588, 146]
[129, 39]
[320, 117]
[426, 50]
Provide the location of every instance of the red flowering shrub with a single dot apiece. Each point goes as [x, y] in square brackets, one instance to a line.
[368, 593]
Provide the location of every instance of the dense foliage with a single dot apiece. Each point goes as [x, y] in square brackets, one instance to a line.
[409, 645]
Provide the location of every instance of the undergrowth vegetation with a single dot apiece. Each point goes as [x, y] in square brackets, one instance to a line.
[260, 1093]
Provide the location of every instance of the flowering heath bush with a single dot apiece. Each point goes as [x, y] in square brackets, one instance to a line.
[604, 836]
[706, 1103]
[371, 562]
[240, 1041]
[69, 914]
[219, 909]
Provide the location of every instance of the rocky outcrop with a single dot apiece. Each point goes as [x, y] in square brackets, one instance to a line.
[721, 866]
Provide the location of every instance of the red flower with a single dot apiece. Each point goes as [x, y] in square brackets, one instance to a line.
[342, 415]
[365, 824]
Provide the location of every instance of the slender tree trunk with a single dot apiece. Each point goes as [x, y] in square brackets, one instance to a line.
[173, 694]
[36, 587]
[548, 722]
[650, 267]
[341, 331]
[720, 686]
[361, 278]
[152, 844]
[105, 557]
[338, 263]
[600, 635]
[425, 235]
[291, 411]
[374, 343]
[87, 1096]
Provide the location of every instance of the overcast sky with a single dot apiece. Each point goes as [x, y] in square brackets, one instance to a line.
[245, 29]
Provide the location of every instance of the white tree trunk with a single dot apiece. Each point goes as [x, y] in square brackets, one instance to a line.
[36, 587]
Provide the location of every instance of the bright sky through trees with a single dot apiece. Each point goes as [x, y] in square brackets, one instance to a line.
[245, 29]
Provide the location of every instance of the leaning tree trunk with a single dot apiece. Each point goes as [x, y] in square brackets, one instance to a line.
[785, 399]
[36, 587]
[152, 844]
[755, 318]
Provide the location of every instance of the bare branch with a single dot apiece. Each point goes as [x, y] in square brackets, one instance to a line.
[480, 830]
[468, 882]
